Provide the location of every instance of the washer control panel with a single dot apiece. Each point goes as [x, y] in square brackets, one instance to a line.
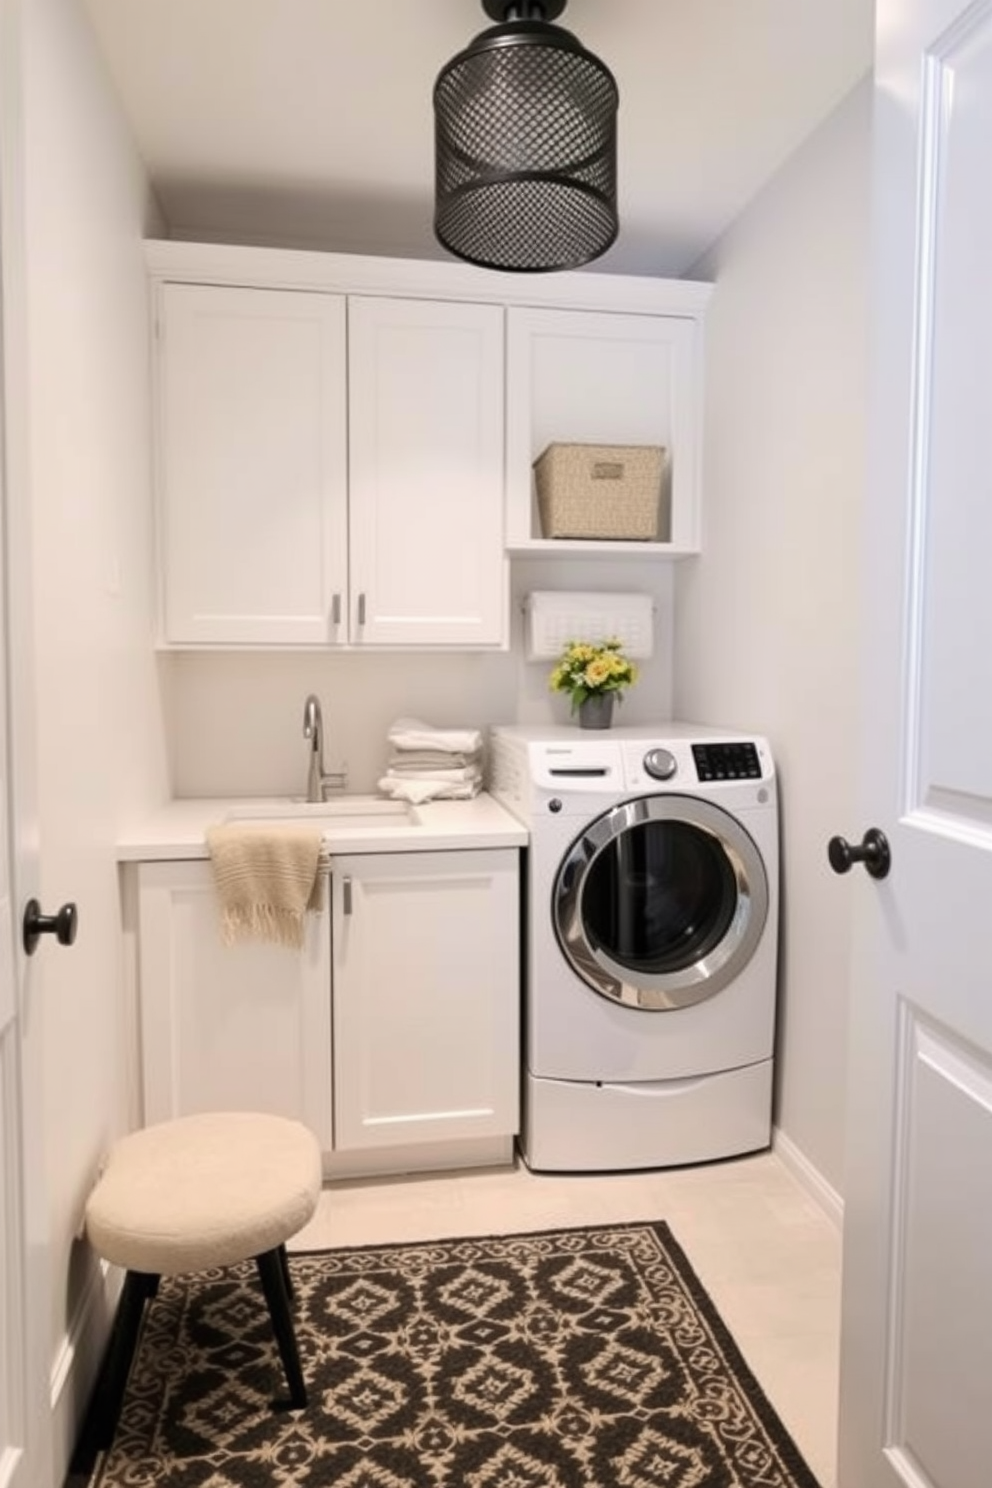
[567, 772]
[726, 761]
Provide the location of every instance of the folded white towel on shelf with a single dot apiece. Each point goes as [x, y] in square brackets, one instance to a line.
[424, 761]
[413, 733]
[268, 879]
[459, 772]
[418, 789]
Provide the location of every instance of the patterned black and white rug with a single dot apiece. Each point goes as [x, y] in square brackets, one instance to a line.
[561, 1359]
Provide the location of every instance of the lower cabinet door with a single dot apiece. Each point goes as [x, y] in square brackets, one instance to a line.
[244, 1027]
[425, 950]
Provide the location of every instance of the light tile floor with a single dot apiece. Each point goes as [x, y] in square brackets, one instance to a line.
[766, 1253]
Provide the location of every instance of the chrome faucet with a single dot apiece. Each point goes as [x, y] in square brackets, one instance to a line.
[319, 780]
[313, 729]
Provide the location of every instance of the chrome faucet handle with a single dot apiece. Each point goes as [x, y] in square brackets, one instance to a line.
[334, 780]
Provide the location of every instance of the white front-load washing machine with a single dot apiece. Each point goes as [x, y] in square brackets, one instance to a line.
[651, 941]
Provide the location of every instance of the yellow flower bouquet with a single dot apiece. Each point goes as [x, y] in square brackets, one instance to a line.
[585, 671]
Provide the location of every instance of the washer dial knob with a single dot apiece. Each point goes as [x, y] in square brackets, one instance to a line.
[660, 764]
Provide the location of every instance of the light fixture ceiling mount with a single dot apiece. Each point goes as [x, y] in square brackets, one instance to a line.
[525, 145]
[500, 10]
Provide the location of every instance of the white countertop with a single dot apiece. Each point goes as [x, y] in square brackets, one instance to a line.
[177, 829]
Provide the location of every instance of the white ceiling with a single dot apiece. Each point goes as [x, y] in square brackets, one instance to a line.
[308, 122]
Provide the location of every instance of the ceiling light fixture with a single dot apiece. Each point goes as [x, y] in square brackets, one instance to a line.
[525, 145]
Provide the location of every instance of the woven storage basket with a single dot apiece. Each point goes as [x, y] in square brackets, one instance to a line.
[601, 490]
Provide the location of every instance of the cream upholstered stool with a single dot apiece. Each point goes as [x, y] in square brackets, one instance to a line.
[198, 1192]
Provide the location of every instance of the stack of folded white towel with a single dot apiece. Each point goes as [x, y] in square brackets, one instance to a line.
[432, 764]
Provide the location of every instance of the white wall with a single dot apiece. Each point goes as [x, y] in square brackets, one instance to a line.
[99, 725]
[236, 719]
[767, 621]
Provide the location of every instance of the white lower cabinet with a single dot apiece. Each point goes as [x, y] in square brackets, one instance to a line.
[393, 1033]
[242, 1027]
[426, 998]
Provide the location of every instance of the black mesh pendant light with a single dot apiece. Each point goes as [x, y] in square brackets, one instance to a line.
[526, 146]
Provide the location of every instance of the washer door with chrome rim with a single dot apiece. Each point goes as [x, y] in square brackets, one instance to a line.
[660, 902]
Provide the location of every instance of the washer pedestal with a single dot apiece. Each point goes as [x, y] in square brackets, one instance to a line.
[583, 1127]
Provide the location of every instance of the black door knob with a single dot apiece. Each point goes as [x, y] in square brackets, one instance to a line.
[874, 852]
[62, 925]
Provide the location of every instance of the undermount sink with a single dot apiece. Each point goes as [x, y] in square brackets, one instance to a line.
[350, 812]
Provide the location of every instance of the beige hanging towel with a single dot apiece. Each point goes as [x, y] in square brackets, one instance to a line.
[268, 879]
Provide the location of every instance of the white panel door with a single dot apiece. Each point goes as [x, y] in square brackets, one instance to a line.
[26, 1415]
[252, 465]
[917, 1311]
[426, 460]
[426, 997]
[228, 1028]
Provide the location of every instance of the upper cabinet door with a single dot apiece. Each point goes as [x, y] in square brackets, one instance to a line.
[252, 465]
[604, 378]
[426, 473]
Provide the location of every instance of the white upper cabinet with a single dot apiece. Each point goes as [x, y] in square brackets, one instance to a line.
[426, 472]
[345, 445]
[330, 469]
[587, 377]
[252, 465]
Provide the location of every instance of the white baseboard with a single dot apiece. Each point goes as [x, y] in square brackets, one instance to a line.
[809, 1177]
[77, 1360]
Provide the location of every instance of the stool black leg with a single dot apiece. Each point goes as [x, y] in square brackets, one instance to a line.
[270, 1269]
[287, 1275]
[108, 1395]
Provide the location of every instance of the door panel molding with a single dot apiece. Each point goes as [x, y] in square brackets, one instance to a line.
[939, 1245]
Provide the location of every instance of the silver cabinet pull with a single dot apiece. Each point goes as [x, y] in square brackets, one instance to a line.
[361, 609]
[336, 610]
[346, 893]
